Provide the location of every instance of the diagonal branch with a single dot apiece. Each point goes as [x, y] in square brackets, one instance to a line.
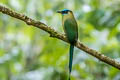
[55, 34]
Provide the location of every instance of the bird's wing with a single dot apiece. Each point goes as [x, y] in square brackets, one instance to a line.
[71, 29]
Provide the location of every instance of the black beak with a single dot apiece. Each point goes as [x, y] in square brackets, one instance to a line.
[59, 11]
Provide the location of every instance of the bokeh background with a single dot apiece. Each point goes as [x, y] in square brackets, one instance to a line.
[28, 53]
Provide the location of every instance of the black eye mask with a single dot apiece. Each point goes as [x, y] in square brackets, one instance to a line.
[65, 12]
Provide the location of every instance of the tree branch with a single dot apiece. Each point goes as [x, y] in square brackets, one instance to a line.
[55, 34]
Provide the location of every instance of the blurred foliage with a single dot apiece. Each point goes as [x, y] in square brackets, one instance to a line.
[28, 53]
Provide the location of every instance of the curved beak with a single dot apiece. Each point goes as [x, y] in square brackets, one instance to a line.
[59, 11]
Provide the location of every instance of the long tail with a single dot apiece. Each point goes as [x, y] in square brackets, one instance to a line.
[70, 59]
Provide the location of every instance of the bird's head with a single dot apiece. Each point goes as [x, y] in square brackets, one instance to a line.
[65, 11]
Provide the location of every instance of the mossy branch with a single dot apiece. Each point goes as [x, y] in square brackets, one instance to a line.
[55, 34]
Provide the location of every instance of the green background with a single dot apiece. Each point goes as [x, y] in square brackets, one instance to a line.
[28, 53]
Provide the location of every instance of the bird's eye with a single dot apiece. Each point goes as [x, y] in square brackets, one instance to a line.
[65, 12]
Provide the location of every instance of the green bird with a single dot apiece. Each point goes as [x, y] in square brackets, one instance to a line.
[71, 30]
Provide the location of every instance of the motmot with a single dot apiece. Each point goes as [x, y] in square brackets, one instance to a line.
[71, 31]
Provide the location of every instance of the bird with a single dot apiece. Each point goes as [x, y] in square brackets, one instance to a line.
[71, 31]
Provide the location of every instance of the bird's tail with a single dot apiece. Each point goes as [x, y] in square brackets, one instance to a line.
[70, 58]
